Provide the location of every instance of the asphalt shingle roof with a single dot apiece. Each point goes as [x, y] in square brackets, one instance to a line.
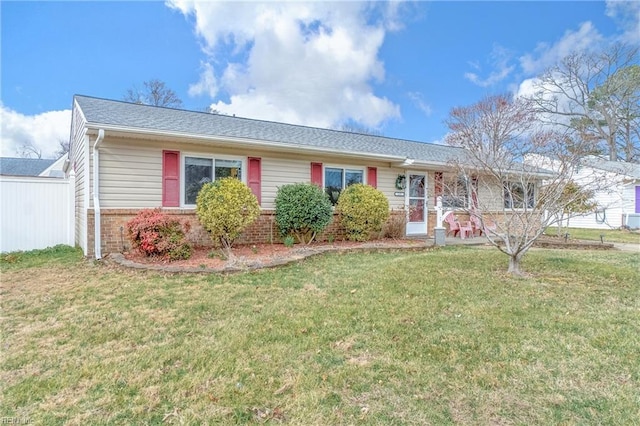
[135, 116]
[23, 166]
[627, 169]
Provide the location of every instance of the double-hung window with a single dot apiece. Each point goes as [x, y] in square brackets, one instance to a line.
[455, 193]
[201, 170]
[336, 179]
[518, 195]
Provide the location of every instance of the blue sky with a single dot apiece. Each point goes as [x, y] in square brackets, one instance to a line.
[398, 67]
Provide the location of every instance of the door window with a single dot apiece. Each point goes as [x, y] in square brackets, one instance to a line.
[416, 198]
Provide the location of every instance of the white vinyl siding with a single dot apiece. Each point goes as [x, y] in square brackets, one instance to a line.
[614, 201]
[130, 176]
[611, 206]
[281, 171]
[387, 184]
[131, 171]
[78, 156]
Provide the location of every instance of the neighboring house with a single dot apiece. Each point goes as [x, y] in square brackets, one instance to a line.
[128, 157]
[32, 167]
[618, 205]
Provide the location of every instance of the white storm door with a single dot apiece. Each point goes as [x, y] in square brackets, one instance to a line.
[416, 203]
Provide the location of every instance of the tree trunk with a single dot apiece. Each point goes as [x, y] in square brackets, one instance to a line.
[226, 249]
[613, 148]
[560, 223]
[514, 264]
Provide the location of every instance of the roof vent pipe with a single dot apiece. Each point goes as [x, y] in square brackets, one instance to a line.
[96, 195]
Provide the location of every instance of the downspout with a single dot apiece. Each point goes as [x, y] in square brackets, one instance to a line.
[96, 195]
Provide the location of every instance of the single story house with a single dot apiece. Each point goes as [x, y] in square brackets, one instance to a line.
[617, 205]
[128, 157]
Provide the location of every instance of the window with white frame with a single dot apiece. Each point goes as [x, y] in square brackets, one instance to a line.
[518, 195]
[201, 170]
[337, 178]
[455, 193]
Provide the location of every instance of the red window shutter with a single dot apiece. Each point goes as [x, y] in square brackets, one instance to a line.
[254, 177]
[316, 174]
[438, 178]
[170, 178]
[474, 191]
[372, 176]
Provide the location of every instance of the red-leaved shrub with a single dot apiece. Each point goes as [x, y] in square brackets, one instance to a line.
[157, 234]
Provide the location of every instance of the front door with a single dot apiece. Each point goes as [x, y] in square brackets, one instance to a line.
[416, 202]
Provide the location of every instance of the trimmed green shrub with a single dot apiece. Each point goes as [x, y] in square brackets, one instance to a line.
[363, 210]
[302, 210]
[157, 234]
[225, 208]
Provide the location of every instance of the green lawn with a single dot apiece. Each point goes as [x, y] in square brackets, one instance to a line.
[609, 235]
[434, 337]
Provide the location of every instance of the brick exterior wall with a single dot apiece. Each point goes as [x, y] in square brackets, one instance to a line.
[264, 230]
[114, 232]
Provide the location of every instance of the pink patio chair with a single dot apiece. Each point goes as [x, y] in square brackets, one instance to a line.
[477, 224]
[466, 230]
[454, 225]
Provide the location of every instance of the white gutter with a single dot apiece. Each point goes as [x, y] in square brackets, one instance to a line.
[96, 195]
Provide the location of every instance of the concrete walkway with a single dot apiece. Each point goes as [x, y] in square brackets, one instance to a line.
[627, 247]
[480, 241]
[453, 241]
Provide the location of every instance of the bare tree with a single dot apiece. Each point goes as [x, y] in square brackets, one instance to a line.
[63, 147]
[28, 150]
[156, 93]
[594, 93]
[357, 128]
[520, 199]
[210, 110]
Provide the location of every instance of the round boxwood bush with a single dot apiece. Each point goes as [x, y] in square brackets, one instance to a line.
[225, 208]
[302, 210]
[363, 211]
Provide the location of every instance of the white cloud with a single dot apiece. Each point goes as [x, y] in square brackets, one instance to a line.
[500, 58]
[627, 14]
[418, 101]
[208, 83]
[306, 63]
[586, 38]
[42, 131]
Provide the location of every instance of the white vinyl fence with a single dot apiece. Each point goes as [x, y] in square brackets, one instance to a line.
[36, 212]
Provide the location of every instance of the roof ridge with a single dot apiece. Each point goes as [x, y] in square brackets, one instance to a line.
[257, 120]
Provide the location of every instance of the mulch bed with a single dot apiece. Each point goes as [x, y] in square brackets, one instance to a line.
[260, 256]
[547, 241]
[255, 256]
